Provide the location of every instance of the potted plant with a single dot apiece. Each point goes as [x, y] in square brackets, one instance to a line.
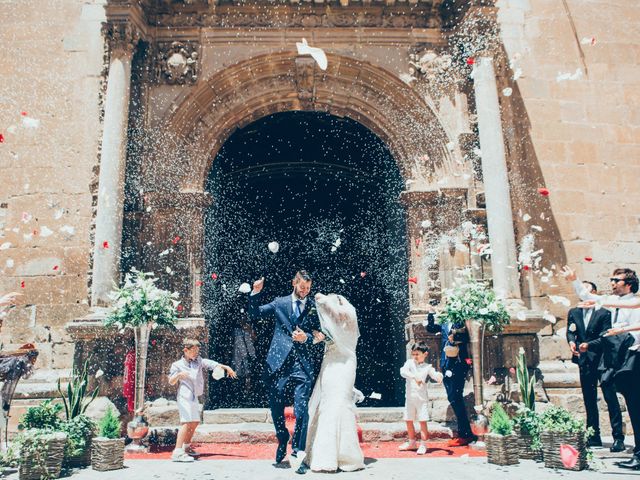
[500, 440]
[526, 423]
[41, 453]
[561, 432]
[78, 427]
[141, 305]
[474, 305]
[107, 451]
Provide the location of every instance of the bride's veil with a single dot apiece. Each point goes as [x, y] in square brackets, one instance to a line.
[339, 321]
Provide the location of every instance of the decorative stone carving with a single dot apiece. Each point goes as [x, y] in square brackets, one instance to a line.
[305, 78]
[431, 64]
[121, 37]
[176, 63]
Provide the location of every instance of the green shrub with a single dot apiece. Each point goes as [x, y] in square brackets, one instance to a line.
[110, 426]
[560, 420]
[529, 423]
[77, 398]
[41, 416]
[500, 423]
[79, 429]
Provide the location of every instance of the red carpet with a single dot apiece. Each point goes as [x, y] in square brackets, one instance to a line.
[262, 451]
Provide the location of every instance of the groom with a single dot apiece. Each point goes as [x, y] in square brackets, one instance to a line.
[289, 358]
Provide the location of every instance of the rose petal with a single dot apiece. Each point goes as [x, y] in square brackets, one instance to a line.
[1, 138]
[363, 274]
[105, 244]
[55, 268]
[543, 191]
[22, 284]
[180, 307]
[199, 283]
[512, 371]
[23, 113]
[413, 280]
[468, 361]
[418, 241]
[491, 380]
[214, 276]
[588, 259]
[568, 455]
[471, 61]
[176, 239]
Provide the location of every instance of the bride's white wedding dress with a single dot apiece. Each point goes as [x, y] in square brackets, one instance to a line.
[332, 440]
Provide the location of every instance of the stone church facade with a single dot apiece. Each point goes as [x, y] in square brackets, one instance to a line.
[113, 112]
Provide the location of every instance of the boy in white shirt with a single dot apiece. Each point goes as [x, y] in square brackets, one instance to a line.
[188, 372]
[417, 371]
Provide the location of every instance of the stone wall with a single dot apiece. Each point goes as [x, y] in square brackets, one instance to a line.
[50, 81]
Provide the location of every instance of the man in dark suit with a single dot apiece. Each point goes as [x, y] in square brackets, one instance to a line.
[454, 364]
[289, 358]
[584, 329]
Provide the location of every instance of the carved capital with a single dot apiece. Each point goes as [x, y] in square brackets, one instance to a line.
[121, 37]
[176, 63]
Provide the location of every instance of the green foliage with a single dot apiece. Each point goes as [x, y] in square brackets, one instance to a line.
[77, 398]
[526, 384]
[41, 416]
[500, 423]
[79, 429]
[559, 420]
[474, 300]
[529, 423]
[10, 458]
[110, 426]
[139, 302]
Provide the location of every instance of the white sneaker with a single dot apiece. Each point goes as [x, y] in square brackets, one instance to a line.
[181, 456]
[422, 449]
[407, 446]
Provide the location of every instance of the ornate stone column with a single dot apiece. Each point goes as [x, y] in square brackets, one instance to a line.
[122, 39]
[496, 182]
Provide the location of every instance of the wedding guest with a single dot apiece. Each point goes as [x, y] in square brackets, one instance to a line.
[417, 371]
[584, 328]
[620, 354]
[454, 363]
[188, 373]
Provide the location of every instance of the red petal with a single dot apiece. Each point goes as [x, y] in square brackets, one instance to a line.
[526, 268]
[199, 283]
[176, 240]
[180, 308]
[543, 191]
[413, 280]
[23, 113]
[1, 138]
[568, 455]
[153, 342]
[214, 276]
[512, 370]
[35, 232]
[471, 61]
[418, 241]
[105, 244]
[468, 360]
[22, 284]
[588, 259]
[55, 267]
[363, 274]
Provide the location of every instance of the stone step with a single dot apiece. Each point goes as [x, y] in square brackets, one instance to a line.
[256, 432]
[263, 415]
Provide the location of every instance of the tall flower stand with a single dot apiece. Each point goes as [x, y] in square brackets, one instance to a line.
[479, 422]
[138, 428]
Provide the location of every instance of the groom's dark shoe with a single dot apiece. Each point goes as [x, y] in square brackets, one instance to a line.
[281, 452]
[302, 469]
[632, 464]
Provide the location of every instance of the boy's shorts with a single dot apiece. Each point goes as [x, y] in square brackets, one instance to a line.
[416, 410]
[189, 410]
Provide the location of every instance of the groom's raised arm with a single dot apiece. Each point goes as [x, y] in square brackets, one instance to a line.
[257, 311]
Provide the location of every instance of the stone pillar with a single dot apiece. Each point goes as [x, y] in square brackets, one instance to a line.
[108, 230]
[496, 182]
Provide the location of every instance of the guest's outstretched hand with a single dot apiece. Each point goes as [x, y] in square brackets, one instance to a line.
[568, 273]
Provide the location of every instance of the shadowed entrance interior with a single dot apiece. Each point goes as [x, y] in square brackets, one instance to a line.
[326, 190]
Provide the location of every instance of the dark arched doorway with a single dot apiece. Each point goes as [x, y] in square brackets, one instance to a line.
[326, 189]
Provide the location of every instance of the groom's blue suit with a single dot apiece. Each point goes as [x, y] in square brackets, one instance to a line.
[288, 361]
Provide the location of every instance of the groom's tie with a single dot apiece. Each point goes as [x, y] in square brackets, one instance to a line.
[298, 310]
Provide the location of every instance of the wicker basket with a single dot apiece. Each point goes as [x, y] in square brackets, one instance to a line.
[32, 469]
[501, 449]
[551, 442]
[83, 459]
[525, 450]
[107, 454]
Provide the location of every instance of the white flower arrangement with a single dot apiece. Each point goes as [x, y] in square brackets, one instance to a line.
[139, 301]
[470, 299]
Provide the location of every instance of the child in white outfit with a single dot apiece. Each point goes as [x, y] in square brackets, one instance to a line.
[416, 408]
[188, 372]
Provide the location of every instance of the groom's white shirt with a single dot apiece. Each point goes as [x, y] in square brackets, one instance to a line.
[294, 299]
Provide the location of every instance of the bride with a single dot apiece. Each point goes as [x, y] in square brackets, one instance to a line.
[332, 437]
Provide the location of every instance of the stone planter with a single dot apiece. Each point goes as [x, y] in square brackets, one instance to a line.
[39, 464]
[525, 449]
[551, 442]
[501, 449]
[82, 459]
[107, 454]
